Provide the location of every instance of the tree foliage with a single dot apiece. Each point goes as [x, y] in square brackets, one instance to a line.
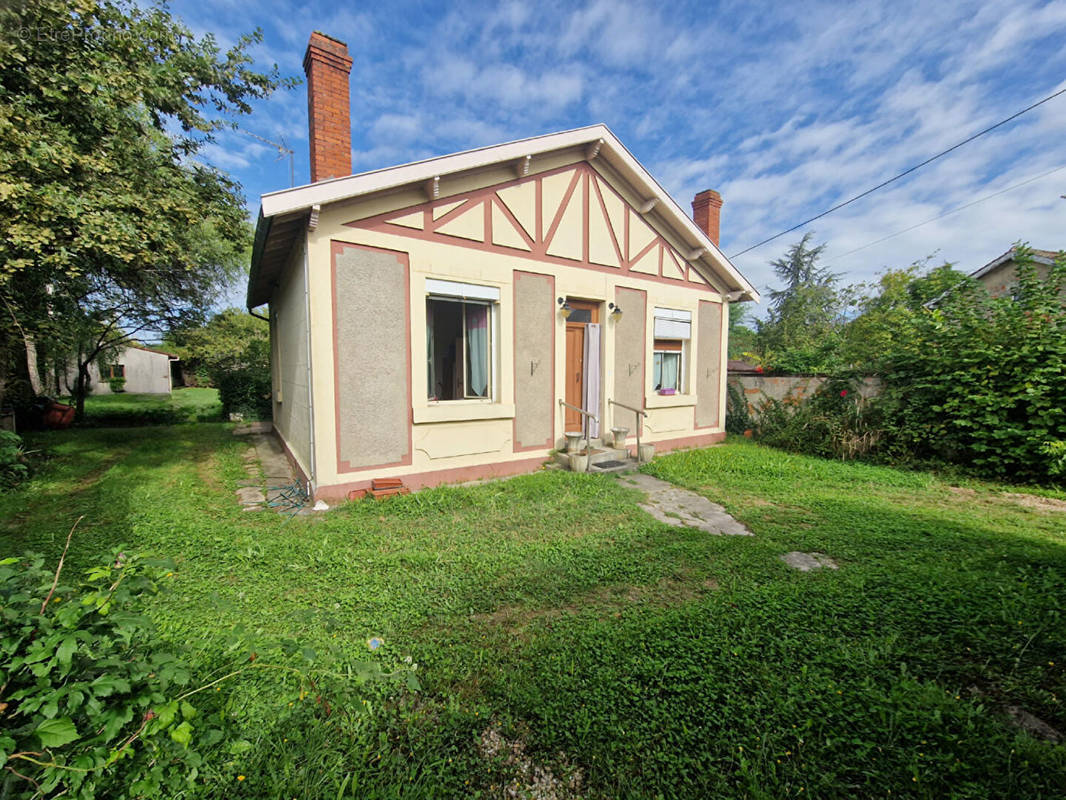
[232, 350]
[111, 223]
[801, 328]
[884, 310]
[980, 380]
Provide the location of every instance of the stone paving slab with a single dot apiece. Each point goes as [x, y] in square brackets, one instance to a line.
[251, 428]
[682, 508]
[269, 472]
[805, 562]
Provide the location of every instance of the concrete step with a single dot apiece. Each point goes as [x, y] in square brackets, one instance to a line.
[599, 455]
[628, 465]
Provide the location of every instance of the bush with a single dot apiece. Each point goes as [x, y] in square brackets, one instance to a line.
[117, 385]
[13, 466]
[981, 381]
[244, 385]
[737, 418]
[834, 423]
[92, 700]
[231, 353]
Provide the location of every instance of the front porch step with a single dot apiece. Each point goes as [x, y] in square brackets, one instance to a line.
[628, 465]
[601, 455]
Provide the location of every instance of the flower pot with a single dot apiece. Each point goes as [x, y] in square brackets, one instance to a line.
[579, 463]
[618, 436]
[58, 416]
[647, 452]
[574, 441]
[748, 433]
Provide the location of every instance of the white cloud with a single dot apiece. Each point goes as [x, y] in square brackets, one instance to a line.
[787, 109]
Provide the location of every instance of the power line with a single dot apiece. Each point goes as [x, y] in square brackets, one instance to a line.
[906, 172]
[953, 210]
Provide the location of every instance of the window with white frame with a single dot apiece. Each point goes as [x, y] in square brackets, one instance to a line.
[672, 331]
[668, 374]
[460, 340]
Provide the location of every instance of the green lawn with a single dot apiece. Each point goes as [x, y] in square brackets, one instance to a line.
[654, 661]
[186, 404]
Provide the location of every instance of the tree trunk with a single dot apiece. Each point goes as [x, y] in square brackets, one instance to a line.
[81, 388]
[31, 364]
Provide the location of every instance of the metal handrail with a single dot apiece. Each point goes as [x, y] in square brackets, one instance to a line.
[588, 431]
[639, 413]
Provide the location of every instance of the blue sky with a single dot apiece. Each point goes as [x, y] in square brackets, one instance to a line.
[785, 108]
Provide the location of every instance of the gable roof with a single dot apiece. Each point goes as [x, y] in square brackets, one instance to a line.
[1039, 257]
[283, 214]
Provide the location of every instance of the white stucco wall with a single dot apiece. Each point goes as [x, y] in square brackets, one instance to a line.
[147, 372]
[289, 365]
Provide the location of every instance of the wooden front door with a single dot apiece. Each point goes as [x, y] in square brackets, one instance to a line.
[575, 374]
[582, 314]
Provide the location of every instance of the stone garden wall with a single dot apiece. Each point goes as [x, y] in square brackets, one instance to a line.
[758, 388]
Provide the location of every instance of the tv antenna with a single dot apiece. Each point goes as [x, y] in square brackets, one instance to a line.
[283, 150]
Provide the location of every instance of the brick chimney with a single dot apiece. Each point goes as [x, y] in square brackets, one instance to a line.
[327, 65]
[707, 212]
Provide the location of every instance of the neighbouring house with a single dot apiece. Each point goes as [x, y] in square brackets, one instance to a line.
[145, 370]
[1000, 277]
[429, 321]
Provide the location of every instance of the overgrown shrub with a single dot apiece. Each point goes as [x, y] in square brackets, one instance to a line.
[13, 466]
[737, 417]
[835, 422]
[1057, 458]
[92, 702]
[981, 381]
[244, 383]
[116, 385]
[232, 353]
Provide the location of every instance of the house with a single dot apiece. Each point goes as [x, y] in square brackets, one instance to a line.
[430, 322]
[145, 371]
[999, 276]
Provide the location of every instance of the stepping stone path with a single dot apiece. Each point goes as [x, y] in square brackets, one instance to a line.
[682, 508]
[805, 562]
[266, 465]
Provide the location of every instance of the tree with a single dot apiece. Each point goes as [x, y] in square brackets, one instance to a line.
[741, 336]
[886, 309]
[233, 350]
[112, 225]
[220, 343]
[799, 333]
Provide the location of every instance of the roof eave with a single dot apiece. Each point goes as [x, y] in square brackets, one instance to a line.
[262, 231]
[711, 263]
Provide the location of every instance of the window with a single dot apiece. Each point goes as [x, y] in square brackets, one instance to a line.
[460, 341]
[672, 330]
[117, 371]
[669, 365]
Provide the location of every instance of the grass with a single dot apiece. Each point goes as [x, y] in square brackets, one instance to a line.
[186, 404]
[657, 661]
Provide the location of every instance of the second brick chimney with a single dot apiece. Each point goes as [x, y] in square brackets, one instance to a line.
[327, 65]
[707, 213]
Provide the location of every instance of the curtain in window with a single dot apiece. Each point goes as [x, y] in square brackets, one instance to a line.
[665, 372]
[477, 350]
[671, 361]
[431, 372]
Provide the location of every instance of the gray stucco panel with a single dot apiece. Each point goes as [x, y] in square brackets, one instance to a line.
[708, 370]
[534, 310]
[629, 347]
[373, 367]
